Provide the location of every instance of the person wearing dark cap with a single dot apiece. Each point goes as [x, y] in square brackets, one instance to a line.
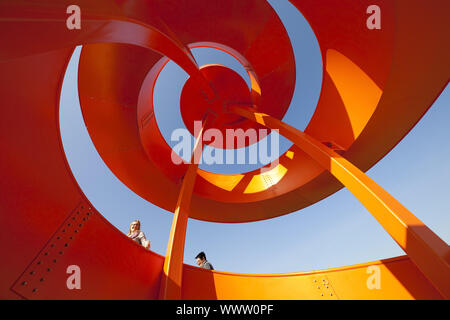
[202, 262]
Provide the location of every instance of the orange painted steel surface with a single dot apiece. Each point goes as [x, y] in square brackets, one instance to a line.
[377, 84]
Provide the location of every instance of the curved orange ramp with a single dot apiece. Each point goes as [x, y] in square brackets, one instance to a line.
[46, 222]
[398, 279]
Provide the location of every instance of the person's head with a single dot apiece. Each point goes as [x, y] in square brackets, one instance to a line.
[134, 226]
[201, 257]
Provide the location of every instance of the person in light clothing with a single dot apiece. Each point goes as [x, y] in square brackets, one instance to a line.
[135, 234]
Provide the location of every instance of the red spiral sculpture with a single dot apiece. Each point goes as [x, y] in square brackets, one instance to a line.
[377, 84]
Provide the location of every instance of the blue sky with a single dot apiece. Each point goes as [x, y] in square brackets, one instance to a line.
[337, 231]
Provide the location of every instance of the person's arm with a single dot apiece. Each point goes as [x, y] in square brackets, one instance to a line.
[144, 242]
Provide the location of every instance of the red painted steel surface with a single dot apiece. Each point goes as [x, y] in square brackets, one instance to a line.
[39, 196]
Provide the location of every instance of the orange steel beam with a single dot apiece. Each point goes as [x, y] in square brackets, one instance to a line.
[173, 263]
[422, 245]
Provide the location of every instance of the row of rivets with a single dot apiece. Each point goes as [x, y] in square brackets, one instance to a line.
[324, 286]
[36, 268]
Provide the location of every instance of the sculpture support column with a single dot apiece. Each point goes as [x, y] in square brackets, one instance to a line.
[429, 252]
[173, 264]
